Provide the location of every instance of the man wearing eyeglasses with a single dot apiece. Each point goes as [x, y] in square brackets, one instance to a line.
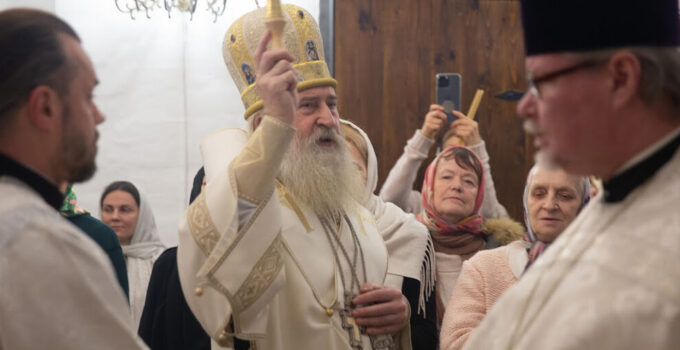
[604, 99]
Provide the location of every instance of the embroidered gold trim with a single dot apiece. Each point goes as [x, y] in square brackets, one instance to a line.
[201, 225]
[260, 277]
[238, 50]
[239, 235]
[305, 30]
[309, 72]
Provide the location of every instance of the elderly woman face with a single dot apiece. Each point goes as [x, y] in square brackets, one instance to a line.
[121, 212]
[553, 201]
[455, 190]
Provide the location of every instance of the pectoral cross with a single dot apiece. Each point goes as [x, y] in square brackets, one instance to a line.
[350, 325]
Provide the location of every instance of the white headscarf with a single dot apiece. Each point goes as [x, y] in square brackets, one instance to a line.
[145, 241]
[407, 240]
[585, 198]
[145, 246]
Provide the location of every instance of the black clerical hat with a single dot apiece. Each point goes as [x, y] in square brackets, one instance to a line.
[580, 25]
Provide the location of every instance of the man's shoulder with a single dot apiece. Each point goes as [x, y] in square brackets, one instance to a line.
[22, 210]
[16, 194]
[29, 222]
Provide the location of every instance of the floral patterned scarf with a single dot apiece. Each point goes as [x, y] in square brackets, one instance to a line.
[464, 237]
[69, 207]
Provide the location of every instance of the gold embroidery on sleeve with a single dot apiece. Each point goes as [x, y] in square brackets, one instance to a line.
[260, 277]
[201, 226]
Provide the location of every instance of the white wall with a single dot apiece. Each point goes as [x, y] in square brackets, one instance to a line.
[163, 86]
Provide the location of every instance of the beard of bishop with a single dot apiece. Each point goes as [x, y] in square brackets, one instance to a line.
[322, 177]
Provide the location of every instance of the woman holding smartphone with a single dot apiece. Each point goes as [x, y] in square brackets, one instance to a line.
[464, 131]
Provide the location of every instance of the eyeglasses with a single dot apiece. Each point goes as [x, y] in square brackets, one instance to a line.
[535, 81]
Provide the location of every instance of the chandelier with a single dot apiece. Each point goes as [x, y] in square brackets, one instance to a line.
[133, 7]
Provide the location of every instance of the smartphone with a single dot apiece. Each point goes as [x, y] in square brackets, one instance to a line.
[448, 93]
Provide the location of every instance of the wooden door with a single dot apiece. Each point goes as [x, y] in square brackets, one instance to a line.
[387, 53]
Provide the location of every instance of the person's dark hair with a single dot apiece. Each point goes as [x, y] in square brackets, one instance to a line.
[465, 159]
[120, 186]
[31, 54]
[198, 182]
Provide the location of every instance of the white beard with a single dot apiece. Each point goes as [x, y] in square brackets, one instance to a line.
[323, 178]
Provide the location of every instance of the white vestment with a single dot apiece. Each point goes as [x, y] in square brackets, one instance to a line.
[610, 281]
[405, 237]
[57, 288]
[275, 275]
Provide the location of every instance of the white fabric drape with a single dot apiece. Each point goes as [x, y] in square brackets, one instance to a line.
[140, 255]
[407, 240]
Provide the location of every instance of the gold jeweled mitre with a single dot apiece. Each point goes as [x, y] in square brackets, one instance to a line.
[301, 37]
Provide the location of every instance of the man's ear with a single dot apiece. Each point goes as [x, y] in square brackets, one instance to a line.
[44, 108]
[625, 71]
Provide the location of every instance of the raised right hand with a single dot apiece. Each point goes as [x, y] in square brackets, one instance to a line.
[276, 81]
[435, 120]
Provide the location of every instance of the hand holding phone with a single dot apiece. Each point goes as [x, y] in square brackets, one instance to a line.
[435, 120]
[448, 93]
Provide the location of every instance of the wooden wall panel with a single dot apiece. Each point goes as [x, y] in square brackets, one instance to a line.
[387, 53]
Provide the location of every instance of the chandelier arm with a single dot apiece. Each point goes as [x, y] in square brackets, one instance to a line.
[128, 9]
[132, 7]
[192, 8]
[167, 4]
[215, 9]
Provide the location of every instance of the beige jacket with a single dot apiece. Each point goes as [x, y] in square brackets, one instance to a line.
[484, 278]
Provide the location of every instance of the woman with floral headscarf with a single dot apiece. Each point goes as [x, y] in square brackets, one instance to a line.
[452, 194]
[464, 131]
[552, 199]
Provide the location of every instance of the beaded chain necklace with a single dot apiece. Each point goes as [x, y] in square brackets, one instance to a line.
[348, 322]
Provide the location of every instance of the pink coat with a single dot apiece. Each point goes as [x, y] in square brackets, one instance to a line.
[483, 279]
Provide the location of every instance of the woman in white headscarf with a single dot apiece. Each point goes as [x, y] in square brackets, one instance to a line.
[411, 254]
[129, 214]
